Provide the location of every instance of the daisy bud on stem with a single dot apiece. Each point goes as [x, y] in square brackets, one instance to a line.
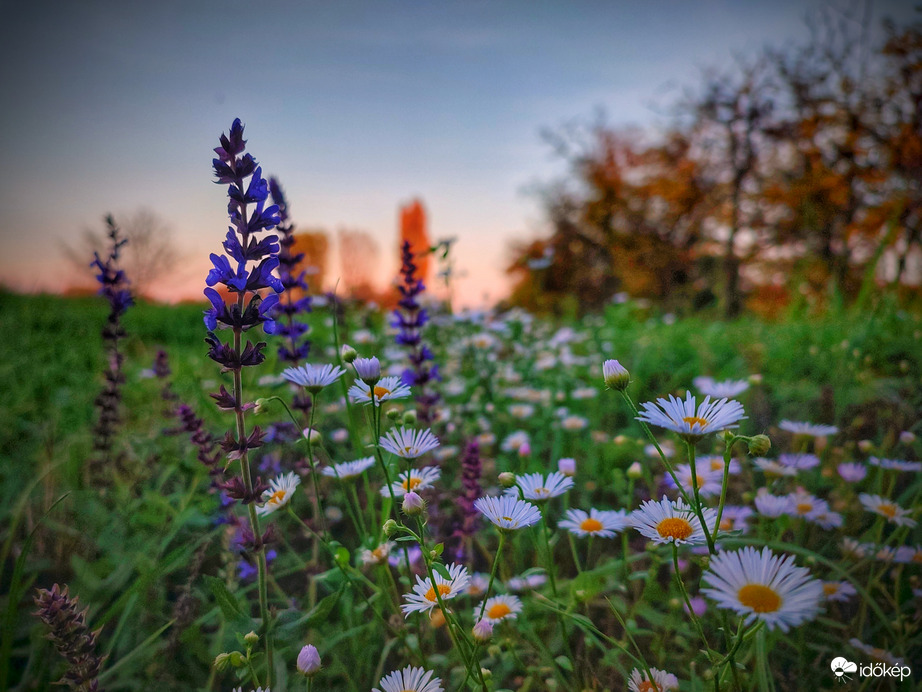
[507, 479]
[759, 445]
[348, 354]
[309, 661]
[615, 375]
[390, 528]
[413, 504]
[483, 630]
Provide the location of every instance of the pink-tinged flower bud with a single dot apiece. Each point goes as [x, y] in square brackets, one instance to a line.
[865, 445]
[507, 479]
[615, 375]
[907, 438]
[413, 504]
[309, 661]
[567, 466]
[524, 449]
[312, 435]
[483, 630]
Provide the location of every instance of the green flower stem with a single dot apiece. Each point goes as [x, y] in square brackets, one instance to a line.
[313, 467]
[728, 452]
[649, 434]
[486, 597]
[261, 565]
[457, 637]
[691, 612]
[697, 505]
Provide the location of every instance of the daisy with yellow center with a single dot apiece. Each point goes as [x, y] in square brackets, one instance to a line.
[661, 681]
[838, 590]
[377, 555]
[671, 522]
[280, 492]
[888, 509]
[691, 420]
[423, 597]
[508, 513]
[408, 443]
[410, 680]
[763, 586]
[415, 480]
[385, 389]
[500, 608]
[348, 470]
[604, 524]
[538, 488]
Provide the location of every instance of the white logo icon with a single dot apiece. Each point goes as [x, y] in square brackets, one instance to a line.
[840, 666]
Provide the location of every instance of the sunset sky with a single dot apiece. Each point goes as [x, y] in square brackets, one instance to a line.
[357, 107]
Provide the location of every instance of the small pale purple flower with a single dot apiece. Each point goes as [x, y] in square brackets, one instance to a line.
[309, 661]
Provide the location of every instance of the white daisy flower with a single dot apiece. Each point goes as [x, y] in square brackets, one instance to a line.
[377, 555]
[348, 470]
[881, 655]
[909, 554]
[500, 608]
[763, 586]
[662, 681]
[671, 522]
[313, 377]
[801, 462]
[690, 420]
[508, 513]
[521, 410]
[478, 584]
[709, 482]
[852, 472]
[807, 505]
[424, 598]
[385, 389]
[574, 423]
[720, 390]
[715, 463]
[527, 582]
[888, 509]
[855, 549]
[410, 679]
[537, 488]
[773, 506]
[408, 443]
[773, 469]
[896, 464]
[809, 429]
[838, 590]
[828, 520]
[604, 524]
[735, 518]
[415, 480]
[280, 492]
[515, 441]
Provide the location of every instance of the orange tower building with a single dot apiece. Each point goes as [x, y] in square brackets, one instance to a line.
[413, 228]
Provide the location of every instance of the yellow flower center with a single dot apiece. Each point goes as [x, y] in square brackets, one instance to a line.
[692, 420]
[726, 524]
[804, 508]
[830, 588]
[675, 528]
[276, 497]
[500, 610]
[761, 599]
[508, 518]
[443, 590]
[887, 510]
[591, 525]
[542, 491]
[380, 552]
[647, 686]
[411, 483]
[381, 392]
[717, 465]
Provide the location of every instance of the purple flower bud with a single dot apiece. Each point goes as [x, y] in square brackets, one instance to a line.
[367, 369]
[413, 504]
[309, 661]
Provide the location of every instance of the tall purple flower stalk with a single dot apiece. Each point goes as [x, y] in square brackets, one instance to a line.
[409, 319]
[294, 347]
[471, 469]
[244, 270]
[72, 638]
[114, 287]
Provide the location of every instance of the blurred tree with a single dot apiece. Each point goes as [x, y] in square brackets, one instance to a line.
[315, 246]
[149, 256]
[415, 229]
[359, 263]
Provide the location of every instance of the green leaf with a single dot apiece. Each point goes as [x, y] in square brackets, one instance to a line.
[441, 569]
[565, 663]
[438, 549]
[228, 603]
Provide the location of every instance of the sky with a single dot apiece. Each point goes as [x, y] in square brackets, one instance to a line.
[357, 108]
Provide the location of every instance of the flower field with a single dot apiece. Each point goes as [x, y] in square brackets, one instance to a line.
[303, 493]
